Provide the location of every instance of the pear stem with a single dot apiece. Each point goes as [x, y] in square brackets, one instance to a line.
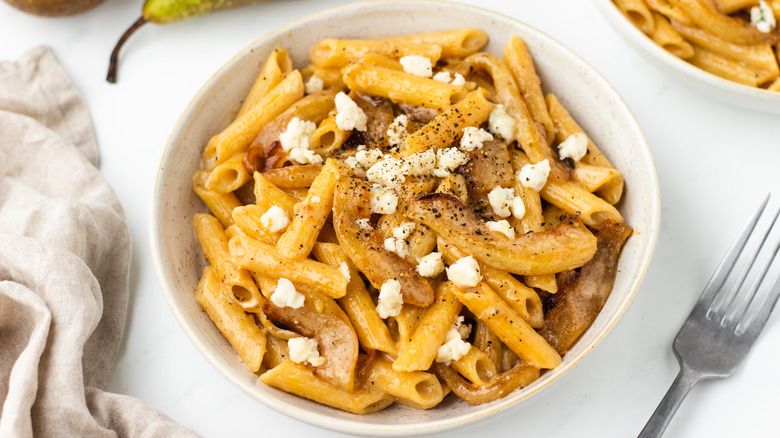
[113, 62]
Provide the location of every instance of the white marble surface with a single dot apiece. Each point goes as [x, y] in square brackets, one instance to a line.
[715, 162]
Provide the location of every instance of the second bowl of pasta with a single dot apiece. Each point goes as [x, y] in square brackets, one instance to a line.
[725, 49]
[391, 229]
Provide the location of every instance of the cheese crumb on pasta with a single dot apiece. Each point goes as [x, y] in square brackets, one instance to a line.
[502, 124]
[421, 163]
[382, 200]
[453, 348]
[285, 295]
[417, 65]
[431, 265]
[388, 171]
[349, 116]
[575, 147]
[305, 156]
[297, 135]
[534, 176]
[314, 85]
[275, 219]
[363, 160]
[473, 138]
[390, 299]
[398, 246]
[464, 272]
[364, 224]
[502, 227]
[404, 230]
[396, 132]
[447, 160]
[762, 17]
[344, 269]
[444, 76]
[518, 207]
[303, 349]
[500, 199]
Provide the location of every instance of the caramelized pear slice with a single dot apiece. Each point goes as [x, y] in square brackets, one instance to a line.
[364, 246]
[568, 246]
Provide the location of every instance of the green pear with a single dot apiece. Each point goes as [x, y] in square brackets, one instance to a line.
[168, 11]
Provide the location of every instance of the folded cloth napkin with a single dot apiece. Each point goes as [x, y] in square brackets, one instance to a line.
[64, 267]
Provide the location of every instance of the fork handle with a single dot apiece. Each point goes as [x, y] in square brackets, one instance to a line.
[656, 426]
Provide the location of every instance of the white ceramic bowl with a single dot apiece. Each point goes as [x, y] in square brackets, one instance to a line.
[590, 99]
[704, 82]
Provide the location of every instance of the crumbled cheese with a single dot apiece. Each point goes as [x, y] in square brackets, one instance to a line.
[500, 199]
[421, 163]
[315, 199]
[304, 156]
[534, 176]
[363, 160]
[314, 85]
[458, 80]
[447, 160]
[348, 114]
[285, 295]
[275, 219]
[364, 224]
[464, 272]
[404, 230]
[442, 76]
[396, 132]
[431, 265]
[762, 17]
[502, 124]
[297, 135]
[473, 138]
[417, 65]
[304, 349]
[398, 246]
[463, 329]
[390, 299]
[518, 207]
[389, 171]
[575, 147]
[502, 227]
[344, 269]
[381, 200]
[453, 348]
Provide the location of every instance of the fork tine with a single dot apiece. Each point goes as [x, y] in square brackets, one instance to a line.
[727, 263]
[738, 290]
[756, 323]
[745, 298]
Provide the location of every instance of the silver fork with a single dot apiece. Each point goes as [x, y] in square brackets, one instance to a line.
[731, 312]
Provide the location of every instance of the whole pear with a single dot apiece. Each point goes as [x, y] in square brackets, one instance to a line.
[54, 8]
[168, 11]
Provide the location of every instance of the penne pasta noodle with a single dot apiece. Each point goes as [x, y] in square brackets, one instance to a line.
[332, 52]
[513, 331]
[276, 66]
[237, 326]
[242, 289]
[666, 36]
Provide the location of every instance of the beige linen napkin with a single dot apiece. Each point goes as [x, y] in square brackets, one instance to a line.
[64, 267]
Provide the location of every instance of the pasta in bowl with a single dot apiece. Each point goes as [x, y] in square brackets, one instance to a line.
[357, 214]
[729, 49]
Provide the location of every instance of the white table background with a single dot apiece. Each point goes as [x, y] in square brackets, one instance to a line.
[715, 162]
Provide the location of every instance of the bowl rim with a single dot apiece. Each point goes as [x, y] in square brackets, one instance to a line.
[759, 98]
[437, 426]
